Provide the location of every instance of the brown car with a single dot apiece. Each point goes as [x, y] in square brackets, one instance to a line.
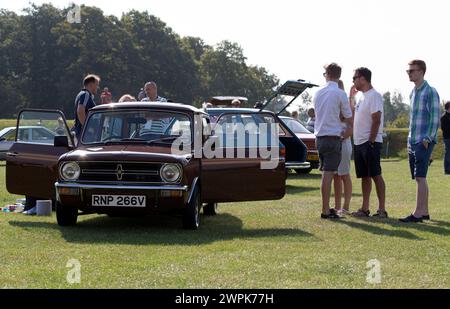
[143, 158]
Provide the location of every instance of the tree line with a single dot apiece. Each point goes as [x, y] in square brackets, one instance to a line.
[43, 58]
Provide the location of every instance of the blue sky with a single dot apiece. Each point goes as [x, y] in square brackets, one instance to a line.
[294, 39]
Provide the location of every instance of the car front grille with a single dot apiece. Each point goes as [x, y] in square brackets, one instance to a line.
[122, 172]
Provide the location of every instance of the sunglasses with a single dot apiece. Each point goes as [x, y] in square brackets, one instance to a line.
[411, 71]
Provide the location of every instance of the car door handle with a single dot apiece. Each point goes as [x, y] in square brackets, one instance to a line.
[12, 154]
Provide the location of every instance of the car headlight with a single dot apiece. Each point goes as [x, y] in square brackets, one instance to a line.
[170, 172]
[70, 171]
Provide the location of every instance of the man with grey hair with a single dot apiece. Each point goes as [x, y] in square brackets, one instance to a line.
[151, 92]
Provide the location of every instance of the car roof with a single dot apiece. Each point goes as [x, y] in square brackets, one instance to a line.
[217, 110]
[151, 105]
[218, 100]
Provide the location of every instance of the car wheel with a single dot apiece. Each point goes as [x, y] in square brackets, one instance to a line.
[210, 209]
[66, 215]
[303, 171]
[191, 215]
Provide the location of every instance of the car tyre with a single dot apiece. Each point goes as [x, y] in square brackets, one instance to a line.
[210, 209]
[304, 171]
[191, 215]
[66, 215]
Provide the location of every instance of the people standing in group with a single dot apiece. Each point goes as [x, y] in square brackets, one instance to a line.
[105, 96]
[151, 92]
[127, 98]
[368, 139]
[141, 94]
[423, 129]
[84, 101]
[445, 127]
[311, 120]
[236, 103]
[329, 103]
[342, 179]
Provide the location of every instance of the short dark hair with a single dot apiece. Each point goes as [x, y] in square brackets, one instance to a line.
[364, 72]
[447, 105]
[333, 70]
[90, 78]
[420, 63]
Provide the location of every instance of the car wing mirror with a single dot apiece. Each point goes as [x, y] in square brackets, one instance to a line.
[61, 141]
[2, 139]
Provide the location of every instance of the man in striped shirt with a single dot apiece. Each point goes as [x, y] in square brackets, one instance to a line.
[423, 128]
[84, 102]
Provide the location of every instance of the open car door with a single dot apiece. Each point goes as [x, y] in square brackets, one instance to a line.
[31, 163]
[241, 159]
[285, 95]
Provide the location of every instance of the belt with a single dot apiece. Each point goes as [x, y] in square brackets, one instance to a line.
[329, 137]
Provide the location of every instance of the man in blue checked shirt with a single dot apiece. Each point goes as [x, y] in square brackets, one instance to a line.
[423, 128]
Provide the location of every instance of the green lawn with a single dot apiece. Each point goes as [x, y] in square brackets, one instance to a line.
[273, 244]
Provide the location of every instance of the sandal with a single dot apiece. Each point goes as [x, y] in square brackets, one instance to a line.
[361, 213]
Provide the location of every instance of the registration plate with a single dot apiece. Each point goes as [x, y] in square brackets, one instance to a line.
[119, 200]
[312, 157]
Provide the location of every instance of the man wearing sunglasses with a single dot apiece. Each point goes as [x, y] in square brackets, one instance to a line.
[423, 128]
[368, 139]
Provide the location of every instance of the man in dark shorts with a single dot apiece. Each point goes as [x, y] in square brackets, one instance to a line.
[368, 139]
[423, 128]
[329, 102]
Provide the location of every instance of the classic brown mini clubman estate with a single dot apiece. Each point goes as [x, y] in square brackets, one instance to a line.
[125, 163]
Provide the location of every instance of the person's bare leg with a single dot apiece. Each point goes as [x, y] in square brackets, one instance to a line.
[366, 184]
[325, 189]
[381, 191]
[348, 188]
[337, 191]
[421, 197]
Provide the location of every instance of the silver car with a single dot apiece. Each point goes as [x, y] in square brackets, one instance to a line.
[31, 134]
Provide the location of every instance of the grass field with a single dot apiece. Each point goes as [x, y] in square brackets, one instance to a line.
[273, 244]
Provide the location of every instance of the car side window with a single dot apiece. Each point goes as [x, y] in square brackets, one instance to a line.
[41, 126]
[10, 136]
[246, 130]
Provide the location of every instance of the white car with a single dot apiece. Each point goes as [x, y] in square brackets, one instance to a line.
[31, 134]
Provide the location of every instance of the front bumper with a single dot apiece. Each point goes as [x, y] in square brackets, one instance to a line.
[297, 165]
[79, 195]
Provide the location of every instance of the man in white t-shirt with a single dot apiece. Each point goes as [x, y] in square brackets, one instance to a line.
[329, 103]
[368, 139]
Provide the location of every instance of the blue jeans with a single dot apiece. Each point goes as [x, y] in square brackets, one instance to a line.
[447, 156]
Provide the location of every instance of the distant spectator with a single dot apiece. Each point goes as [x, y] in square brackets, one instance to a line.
[258, 105]
[84, 102]
[311, 120]
[60, 129]
[141, 94]
[105, 96]
[127, 98]
[236, 103]
[445, 127]
[151, 91]
[294, 114]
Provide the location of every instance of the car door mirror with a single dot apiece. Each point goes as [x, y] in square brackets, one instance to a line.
[61, 141]
[2, 139]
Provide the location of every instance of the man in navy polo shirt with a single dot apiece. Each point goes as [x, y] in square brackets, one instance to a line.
[85, 101]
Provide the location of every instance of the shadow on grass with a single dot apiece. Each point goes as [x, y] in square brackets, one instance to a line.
[376, 230]
[159, 230]
[434, 227]
[304, 176]
[299, 189]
